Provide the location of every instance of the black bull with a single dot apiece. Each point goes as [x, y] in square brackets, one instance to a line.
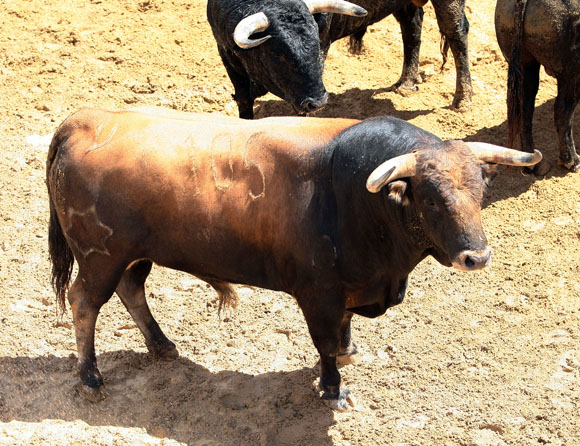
[286, 53]
[279, 203]
[534, 33]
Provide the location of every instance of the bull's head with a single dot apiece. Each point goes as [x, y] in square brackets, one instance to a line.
[446, 187]
[290, 66]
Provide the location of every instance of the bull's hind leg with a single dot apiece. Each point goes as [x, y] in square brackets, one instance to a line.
[86, 296]
[454, 28]
[410, 19]
[131, 290]
[531, 82]
[564, 107]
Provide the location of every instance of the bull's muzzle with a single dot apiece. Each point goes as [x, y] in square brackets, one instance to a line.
[309, 105]
[473, 260]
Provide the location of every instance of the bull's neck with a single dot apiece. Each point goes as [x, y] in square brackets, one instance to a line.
[379, 239]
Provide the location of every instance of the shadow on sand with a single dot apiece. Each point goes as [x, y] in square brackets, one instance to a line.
[180, 399]
[354, 103]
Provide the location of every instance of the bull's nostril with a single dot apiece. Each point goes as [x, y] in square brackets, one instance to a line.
[311, 106]
[473, 260]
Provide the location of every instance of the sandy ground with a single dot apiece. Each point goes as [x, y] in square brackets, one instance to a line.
[488, 358]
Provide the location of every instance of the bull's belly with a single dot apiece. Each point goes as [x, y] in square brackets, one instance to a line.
[232, 262]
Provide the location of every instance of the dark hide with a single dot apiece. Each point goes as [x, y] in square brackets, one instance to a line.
[536, 33]
[290, 64]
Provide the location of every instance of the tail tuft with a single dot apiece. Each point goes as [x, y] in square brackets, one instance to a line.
[355, 42]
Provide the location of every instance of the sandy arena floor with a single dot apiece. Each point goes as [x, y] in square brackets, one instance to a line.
[485, 359]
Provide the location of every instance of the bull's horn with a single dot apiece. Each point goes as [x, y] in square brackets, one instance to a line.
[336, 6]
[252, 24]
[402, 166]
[501, 155]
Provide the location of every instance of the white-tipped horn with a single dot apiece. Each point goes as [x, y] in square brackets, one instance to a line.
[491, 153]
[252, 24]
[336, 6]
[402, 166]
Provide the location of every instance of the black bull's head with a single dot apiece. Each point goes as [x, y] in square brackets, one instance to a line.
[290, 65]
[447, 193]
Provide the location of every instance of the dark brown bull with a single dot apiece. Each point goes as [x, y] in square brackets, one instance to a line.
[279, 203]
[534, 33]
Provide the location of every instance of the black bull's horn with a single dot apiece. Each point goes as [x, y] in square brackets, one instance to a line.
[259, 22]
[336, 6]
[252, 24]
[405, 165]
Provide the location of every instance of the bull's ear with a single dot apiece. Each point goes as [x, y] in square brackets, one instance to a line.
[488, 171]
[397, 192]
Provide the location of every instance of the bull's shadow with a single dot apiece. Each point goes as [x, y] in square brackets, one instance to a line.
[180, 400]
[353, 103]
[512, 181]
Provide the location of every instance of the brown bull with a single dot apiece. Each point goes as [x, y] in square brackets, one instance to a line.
[279, 203]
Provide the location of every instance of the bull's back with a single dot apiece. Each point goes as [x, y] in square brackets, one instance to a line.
[343, 25]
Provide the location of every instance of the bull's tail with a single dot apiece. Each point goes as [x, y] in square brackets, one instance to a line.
[60, 253]
[355, 43]
[515, 83]
[444, 48]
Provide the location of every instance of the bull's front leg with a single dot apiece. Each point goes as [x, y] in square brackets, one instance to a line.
[454, 28]
[241, 82]
[410, 19]
[348, 349]
[324, 316]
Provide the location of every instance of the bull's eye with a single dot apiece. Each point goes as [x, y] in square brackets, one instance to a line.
[430, 204]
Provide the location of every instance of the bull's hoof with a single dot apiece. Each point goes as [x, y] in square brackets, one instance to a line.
[461, 104]
[348, 359]
[404, 86]
[541, 169]
[165, 352]
[349, 356]
[92, 394]
[573, 165]
[344, 402]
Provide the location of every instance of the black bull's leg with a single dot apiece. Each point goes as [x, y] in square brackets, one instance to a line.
[454, 27]
[329, 326]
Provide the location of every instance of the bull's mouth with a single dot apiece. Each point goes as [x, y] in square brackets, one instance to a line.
[443, 259]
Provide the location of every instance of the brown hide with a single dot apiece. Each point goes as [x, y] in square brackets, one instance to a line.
[188, 182]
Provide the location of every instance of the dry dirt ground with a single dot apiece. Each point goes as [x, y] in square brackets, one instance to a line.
[488, 358]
